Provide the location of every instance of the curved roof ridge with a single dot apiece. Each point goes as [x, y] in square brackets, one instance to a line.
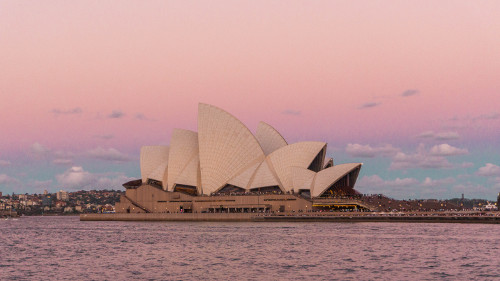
[226, 146]
[302, 178]
[183, 147]
[329, 176]
[269, 138]
[151, 157]
[300, 154]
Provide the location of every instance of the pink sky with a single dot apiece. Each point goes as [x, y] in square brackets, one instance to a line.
[310, 68]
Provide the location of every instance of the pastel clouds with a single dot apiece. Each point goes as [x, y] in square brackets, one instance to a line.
[377, 181]
[5, 179]
[489, 170]
[367, 151]
[369, 105]
[428, 182]
[409, 93]
[72, 111]
[292, 112]
[62, 161]
[76, 178]
[39, 149]
[447, 150]
[116, 114]
[422, 158]
[442, 136]
[108, 154]
[5, 163]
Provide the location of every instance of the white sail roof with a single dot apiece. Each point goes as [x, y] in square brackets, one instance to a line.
[242, 179]
[299, 154]
[183, 148]
[327, 177]
[264, 177]
[226, 147]
[302, 178]
[190, 175]
[151, 158]
[269, 138]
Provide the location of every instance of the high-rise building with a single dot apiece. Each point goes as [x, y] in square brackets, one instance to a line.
[62, 195]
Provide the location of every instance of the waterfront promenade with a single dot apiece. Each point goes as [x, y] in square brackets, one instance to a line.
[420, 217]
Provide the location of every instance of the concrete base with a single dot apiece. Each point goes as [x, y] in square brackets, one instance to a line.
[168, 217]
[252, 217]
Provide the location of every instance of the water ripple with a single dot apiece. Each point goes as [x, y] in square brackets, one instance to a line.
[54, 248]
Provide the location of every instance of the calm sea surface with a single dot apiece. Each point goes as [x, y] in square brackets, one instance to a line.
[63, 248]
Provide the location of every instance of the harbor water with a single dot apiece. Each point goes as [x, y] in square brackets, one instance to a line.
[64, 248]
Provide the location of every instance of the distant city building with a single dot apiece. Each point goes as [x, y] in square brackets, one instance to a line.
[62, 195]
[47, 200]
[1, 194]
[45, 192]
[498, 200]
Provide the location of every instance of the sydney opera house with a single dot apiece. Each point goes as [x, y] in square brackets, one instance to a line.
[224, 167]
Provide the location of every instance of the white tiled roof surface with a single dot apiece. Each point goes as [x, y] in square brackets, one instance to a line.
[190, 174]
[160, 174]
[226, 147]
[269, 138]
[264, 177]
[302, 178]
[151, 158]
[183, 147]
[327, 177]
[242, 179]
[299, 154]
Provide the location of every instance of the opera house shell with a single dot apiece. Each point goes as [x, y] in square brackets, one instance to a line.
[224, 166]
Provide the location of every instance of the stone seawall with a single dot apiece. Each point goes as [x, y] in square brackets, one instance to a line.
[8, 214]
[412, 219]
[250, 217]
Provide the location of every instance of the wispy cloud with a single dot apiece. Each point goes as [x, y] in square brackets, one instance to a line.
[77, 178]
[104, 137]
[422, 159]
[428, 182]
[409, 93]
[62, 161]
[142, 117]
[447, 150]
[39, 149]
[467, 164]
[76, 110]
[489, 170]
[442, 136]
[4, 163]
[291, 112]
[109, 154]
[5, 179]
[367, 151]
[116, 114]
[369, 105]
[490, 116]
[377, 181]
